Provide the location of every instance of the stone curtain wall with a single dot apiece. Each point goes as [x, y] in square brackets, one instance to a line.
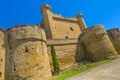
[2, 54]
[66, 28]
[98, 43]
[65, 50]
[114, 35]
[26, 54]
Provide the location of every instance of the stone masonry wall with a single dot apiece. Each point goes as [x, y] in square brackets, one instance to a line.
[64, 28]
[65, 50]
[26, 54]
[114, 35]
[98, 43]
[2, 54]
[58, 27]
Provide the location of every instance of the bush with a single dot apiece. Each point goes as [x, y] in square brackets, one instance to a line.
[55, 60]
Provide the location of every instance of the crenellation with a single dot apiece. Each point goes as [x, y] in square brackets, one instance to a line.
[61, 17]
[79, 15]
[45, 6]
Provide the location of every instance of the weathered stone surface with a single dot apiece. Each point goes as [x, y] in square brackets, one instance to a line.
[59, 27]
[26, 51]
[80, 55]
[25, 54]
[114, 35]
[98, 43]
[2, 54]
[65, 50]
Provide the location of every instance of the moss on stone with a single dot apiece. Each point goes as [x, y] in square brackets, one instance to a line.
[85, 51]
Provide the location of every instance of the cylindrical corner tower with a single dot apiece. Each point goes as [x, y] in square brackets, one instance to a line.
[114, 35]
[97, 43]
[2, 54]
[26, 53]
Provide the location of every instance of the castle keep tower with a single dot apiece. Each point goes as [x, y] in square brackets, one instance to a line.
[58, 27]
[2, 54]
[114, 35]
[26, 53]
[97, 43]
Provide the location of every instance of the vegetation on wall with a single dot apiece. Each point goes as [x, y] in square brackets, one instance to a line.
[55, 60]
[85, 50]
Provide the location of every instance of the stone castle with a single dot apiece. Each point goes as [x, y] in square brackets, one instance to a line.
[25, 50]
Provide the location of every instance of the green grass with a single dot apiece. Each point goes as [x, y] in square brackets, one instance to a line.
[1, 78]
[79, 69]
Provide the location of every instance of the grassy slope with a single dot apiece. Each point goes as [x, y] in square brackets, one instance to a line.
[79, 69]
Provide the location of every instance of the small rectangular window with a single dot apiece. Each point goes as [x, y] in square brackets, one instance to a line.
[71, 29]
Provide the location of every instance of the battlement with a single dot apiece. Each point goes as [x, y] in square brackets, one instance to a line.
[45, 6]
[60, 17]
[79, 15]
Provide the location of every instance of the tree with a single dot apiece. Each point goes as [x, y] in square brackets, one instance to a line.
[55, 60]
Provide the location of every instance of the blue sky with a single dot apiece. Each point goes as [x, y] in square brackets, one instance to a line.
[106, 12]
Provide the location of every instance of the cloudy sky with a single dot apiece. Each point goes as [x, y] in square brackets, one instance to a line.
[106, 12]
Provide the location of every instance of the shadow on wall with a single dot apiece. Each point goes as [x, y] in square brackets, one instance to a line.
[79, 51]
[114, 35]
[94, 44]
